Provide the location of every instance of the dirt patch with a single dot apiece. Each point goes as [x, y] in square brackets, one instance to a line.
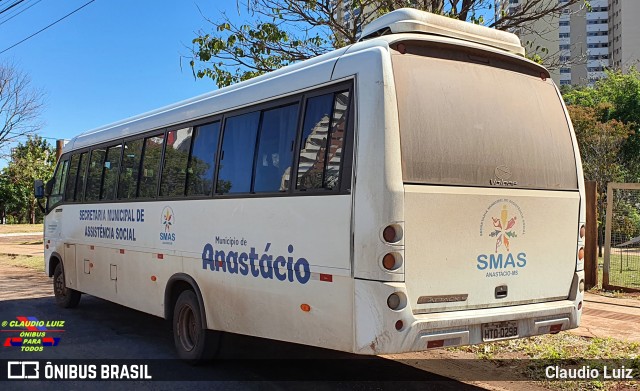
[23, 283]
[21, 245]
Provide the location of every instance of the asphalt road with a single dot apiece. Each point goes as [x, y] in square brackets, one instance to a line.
[101, 331]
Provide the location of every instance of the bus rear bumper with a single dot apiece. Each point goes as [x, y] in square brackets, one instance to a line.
[465, 327]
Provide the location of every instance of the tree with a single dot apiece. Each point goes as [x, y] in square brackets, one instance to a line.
[35, 159]
[20, 105]
[620, 92]
[601, 141]
[282, 32]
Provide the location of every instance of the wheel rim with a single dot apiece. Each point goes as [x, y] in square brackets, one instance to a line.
[187, 328]
[58, 286]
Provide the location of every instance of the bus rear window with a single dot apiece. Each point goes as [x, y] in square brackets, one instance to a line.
[480, 121]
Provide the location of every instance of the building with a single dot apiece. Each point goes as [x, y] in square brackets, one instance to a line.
[574, 45]
[582, 42]
[624, 33]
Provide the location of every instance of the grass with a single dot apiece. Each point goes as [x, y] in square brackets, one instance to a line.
[35, 263]
[629, 276]
[536, 353]
[18, 228]
[624, 269]
[32, 242]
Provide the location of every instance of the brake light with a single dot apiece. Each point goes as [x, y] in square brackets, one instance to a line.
[389, 234]
[583, 230]
[389, 262]
[581, 253]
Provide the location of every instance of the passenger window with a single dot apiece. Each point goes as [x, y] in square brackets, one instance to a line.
[96, 164]
[313, 146]
[59, 183]
[150, 166]
[176, 157]
[128, 185]
[322, 141]
[82, 172]
[203, 157]
[111, 168]
[336, 140]
[236, 160]
[275, 149]
[70, 189]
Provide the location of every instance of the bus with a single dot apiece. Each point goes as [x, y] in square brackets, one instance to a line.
[421, 188]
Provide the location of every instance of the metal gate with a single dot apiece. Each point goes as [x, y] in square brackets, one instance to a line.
[622, 238]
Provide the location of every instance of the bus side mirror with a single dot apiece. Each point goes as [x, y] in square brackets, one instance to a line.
[38, 189]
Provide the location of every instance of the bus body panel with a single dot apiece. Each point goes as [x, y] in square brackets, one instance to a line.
[376, 332]
[302, 257]
[489, 247]
[378, 190]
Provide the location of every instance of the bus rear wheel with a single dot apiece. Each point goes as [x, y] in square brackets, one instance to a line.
[194, 342]
[65, 297]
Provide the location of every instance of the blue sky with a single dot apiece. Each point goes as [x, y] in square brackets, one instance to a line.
[110, 60]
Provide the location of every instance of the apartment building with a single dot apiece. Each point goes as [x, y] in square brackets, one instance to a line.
[576, 42]
[586, 41]
[624, 33]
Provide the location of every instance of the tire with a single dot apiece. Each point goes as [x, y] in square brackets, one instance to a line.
[65, 297]
[193, 342]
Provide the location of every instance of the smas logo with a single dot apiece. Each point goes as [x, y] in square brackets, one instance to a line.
[168, 221]
[503, 225]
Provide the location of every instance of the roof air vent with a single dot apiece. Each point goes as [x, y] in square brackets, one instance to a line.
[409, 20]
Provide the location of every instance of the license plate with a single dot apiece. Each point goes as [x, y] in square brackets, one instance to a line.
[499, 330]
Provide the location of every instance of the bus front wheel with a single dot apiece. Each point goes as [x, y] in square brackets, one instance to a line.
[65, 297]
[193, 342]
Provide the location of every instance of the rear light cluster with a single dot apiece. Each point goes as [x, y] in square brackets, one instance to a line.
[392, 234]
[581, 235]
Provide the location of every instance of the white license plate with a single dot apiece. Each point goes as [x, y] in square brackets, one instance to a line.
[499, 330]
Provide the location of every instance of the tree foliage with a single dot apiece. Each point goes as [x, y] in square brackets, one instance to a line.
[606, 117]
[620, 93]
[35, 159]
[20, 105]
[277, 33]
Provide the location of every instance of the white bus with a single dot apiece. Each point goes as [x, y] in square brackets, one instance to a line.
[418, 189]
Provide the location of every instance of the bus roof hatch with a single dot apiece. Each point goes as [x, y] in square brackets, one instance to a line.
[409, 20]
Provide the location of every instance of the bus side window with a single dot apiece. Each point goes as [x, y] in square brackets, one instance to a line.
[128, 185]
[236, 160]
[313, 143]
[150, 166]
[176, 157]
[70, 190]
[111, 168]
[336, 140]
[94, 178]
[59, 183]
[275, 153]
[203, 158]
[82, 176]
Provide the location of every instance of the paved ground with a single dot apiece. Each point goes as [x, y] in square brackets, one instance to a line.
[610, 317]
